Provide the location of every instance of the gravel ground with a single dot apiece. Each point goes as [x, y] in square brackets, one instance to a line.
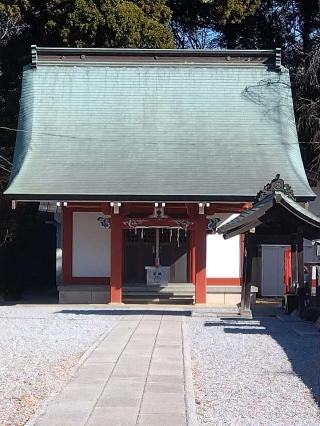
[254, 372]
[39, 345]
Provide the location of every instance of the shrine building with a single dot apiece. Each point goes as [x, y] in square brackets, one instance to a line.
[140, 154]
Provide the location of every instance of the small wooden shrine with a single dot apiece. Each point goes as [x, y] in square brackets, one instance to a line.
[274, 218]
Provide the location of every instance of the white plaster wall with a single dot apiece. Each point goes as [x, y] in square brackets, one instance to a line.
[91, 246]
[223, 256]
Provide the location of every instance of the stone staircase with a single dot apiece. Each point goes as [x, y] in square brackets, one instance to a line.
[173, 293]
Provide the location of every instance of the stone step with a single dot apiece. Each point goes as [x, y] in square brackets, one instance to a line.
[218, 312]
[157, 290]
[165, 300]
[175, 293]
[160, 295]
[155, 294]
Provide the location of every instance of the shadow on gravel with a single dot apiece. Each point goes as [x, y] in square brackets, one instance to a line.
[34, 297]
[120, 311]
[303, 352]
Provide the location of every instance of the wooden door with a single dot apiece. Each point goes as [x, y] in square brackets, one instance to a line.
[140, 251]
[174, 252]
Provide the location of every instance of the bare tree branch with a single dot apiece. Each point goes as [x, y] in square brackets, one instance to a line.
[307, 105]
[7, 237]
[10, 24]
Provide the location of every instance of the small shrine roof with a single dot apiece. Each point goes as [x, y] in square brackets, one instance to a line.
[277, 213]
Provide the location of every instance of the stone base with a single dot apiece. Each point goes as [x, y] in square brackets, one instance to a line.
[71, 293]
[227, 295]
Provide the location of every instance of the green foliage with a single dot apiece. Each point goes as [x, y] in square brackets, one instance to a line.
[292, 25]
[203, 23]
[232, 11]
[99, 23]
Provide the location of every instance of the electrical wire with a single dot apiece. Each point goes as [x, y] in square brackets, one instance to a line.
[155, 143]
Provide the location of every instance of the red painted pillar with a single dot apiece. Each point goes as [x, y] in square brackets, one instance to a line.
[200, 246]
[116, 259]
[287, 269]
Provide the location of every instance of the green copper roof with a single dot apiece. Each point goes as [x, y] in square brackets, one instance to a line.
[115, 131]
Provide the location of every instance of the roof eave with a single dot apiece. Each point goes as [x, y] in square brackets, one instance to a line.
[70, 55]
[244, 223]
[168, 52]
[138, 197]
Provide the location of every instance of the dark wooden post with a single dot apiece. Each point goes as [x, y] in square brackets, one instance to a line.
[193, 258]
[300, 266]
[244, 261]
[246, 286]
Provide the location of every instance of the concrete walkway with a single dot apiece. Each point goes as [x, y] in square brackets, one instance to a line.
[135, 376]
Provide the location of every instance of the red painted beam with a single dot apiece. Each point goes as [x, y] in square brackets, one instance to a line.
[223, 281]
[89, 207]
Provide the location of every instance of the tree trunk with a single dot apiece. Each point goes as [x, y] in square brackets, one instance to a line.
[308, 8]
[230, 35]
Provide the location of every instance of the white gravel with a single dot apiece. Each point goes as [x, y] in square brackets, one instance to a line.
[39, 345]
[254, 372]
